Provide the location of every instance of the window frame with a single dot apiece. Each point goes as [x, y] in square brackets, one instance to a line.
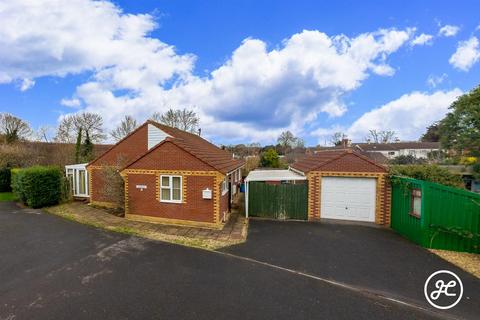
[224, 186]
[415, 193]
[170, 187]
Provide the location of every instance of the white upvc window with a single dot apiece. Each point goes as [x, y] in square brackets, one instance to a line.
[171, 189]
[225, 186]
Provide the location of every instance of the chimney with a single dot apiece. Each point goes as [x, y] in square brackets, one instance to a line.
[199, 131]
[346, 143]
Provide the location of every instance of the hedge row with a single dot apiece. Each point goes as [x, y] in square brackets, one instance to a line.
[5, 180]
[38, 186]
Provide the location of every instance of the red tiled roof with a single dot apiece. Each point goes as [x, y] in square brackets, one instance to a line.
[321, 158]
[219, 159]
[314, 161]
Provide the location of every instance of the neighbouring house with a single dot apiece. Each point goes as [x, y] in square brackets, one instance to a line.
[340, 184]
[391, 150]
[395, 149]
[170, 176]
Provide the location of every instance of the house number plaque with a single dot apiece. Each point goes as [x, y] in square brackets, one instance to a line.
[141, 186]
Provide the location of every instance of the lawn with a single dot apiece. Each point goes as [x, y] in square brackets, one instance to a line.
[7, 196]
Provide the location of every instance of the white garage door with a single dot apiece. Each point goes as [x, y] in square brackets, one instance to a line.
[348, 198]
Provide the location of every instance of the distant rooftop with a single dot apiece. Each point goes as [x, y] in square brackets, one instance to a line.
[366, 146]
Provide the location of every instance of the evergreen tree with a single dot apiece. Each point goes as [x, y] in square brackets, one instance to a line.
[87, 149]
[78, 146]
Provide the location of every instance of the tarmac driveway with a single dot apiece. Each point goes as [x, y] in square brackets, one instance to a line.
[372, 258]
[51, 268]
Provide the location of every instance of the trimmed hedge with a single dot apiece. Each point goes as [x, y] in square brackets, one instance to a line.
[432, 173]
[38, 186]
[5, 180]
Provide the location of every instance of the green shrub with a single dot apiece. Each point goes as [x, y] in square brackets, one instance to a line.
[5, 180]
[407, 159]
[38, 186]
[270, 159]
[430, 173]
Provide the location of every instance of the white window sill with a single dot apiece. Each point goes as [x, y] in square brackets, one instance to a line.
[171, 201]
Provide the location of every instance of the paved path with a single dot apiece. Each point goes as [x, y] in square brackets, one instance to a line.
[234, 231]
[53, 268]
[368, 257]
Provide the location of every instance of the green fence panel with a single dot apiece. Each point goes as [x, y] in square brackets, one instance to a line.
[282, 201]
[450, 217]
[454, 218]
[401, 219]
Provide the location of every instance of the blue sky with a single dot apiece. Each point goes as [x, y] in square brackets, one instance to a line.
[250, 69]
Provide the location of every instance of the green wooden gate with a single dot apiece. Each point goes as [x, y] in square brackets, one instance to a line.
[449, 218]
[280, 201]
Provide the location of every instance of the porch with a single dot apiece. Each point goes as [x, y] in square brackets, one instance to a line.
[77, 176]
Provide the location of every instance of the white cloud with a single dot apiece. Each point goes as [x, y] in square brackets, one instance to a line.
[51, 37]
[72, 103]
[26, 84]
[422, 39]
[258, 93]
[408, 115]
[433, 81]
[254, 95]
[448, 30]
[467, 54]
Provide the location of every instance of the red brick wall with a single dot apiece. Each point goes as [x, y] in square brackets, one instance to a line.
[170, 157]
[129, 149]
[388, 201]
[97, 186]
[120, 154]
[194, 207]
[351, 163]
[314, 197]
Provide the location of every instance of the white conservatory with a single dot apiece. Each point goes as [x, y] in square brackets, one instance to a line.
[77, 175]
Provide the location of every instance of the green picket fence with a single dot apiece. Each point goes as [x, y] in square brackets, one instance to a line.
[281, 201]
[449, 217]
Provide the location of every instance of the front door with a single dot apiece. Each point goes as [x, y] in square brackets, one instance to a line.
[82, 184]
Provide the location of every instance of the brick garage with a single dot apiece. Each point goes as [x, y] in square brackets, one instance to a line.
[170, 176]
[354, 187]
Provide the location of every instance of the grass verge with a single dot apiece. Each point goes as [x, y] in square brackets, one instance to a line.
[7, 196]
[136, 229]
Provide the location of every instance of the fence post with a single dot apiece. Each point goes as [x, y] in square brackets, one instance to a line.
[425, 214]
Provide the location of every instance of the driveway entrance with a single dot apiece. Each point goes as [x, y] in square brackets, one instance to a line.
[372, 258]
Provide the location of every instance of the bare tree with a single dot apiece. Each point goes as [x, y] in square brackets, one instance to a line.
[92, 125]
[66, 131]
[186, 120]
[383, 136]
[299, 143]
[336, 138]
[13, 128]
[43, 133]
[126, 126]
[286, 139]
[89, 123]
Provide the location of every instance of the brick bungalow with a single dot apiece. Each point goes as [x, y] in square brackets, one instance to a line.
[346, 185]
[171, 176]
